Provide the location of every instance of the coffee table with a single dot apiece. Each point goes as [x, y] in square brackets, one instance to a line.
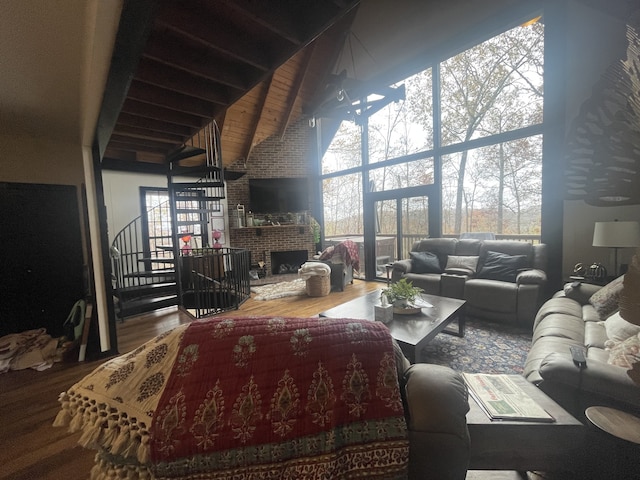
[412, 332]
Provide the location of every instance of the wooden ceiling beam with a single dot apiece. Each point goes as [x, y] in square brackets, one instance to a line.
[251, 137]
[168, 50]
[112, 161]
[294, 91]
[135, 26]
[136, 148]
[298, 22]
[163, 76]
[120, 154]
[275, 16]
[210, 32]
[148, 145]
[145, 134]
[159, 126]
[171, 100]
[155, 112]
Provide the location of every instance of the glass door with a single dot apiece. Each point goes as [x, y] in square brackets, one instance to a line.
[399, 222]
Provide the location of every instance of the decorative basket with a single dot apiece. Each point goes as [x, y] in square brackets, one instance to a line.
[318, 286]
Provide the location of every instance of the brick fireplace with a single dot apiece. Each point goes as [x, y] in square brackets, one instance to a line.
[288, 261]
[275, 245]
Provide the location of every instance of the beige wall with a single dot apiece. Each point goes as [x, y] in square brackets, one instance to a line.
[27, 159]
[595, 40]
[122, 196]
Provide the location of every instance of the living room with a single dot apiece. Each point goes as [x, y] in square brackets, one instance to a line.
[567, 225]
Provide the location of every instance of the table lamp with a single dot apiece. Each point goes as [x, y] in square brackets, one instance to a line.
[616, 235]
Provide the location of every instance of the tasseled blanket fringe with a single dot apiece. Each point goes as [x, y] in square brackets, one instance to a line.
[104, 427]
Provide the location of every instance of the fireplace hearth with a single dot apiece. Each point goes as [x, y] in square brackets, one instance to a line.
[288, 262]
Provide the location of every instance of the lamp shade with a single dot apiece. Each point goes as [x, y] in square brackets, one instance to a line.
[616, 234]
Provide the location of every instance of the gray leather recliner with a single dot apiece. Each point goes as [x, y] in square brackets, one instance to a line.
[509, 301]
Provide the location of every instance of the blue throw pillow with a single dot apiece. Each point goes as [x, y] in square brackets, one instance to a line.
[503, 267]
[425, 262]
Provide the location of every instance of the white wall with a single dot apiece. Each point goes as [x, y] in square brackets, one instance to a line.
[122, 196]
[594, 41]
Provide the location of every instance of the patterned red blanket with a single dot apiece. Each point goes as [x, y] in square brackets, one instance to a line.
[279, 398]
[347, 250]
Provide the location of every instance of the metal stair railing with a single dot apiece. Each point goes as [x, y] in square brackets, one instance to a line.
[136, 269]
[218, 281]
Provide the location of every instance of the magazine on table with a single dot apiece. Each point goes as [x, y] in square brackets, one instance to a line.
[502, 399]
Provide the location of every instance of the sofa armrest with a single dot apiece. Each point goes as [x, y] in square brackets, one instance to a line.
[582, 292]
[532, 276]
[402, 266]
[437, 403]
[437, 400]
[599, 379]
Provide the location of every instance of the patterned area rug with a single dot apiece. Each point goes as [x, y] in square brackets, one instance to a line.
[280, 290]
[486, 348]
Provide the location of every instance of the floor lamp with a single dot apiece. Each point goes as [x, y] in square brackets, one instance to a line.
[616, 235]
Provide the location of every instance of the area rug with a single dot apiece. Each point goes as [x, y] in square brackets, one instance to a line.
[280, 290]
[487, 347]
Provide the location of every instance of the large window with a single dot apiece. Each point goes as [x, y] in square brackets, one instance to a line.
[470, 127]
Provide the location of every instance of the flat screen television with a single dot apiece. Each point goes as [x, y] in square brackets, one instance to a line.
[278, 195]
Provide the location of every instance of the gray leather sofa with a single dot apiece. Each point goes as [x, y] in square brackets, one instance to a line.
[564, 321]
[511, 294]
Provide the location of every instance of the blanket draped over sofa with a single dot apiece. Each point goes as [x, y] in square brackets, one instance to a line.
[255, 397]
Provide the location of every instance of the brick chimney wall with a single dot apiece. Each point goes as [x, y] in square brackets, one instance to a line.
[275, 157]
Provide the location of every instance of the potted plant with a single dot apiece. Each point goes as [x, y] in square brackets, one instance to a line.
[402, 294]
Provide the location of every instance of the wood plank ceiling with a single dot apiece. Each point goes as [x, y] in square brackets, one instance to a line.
[251, 65]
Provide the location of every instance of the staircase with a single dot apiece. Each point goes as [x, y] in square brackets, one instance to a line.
[203, 280]
[143, 280]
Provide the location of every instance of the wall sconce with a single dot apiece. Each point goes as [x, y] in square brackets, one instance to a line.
[616, 235]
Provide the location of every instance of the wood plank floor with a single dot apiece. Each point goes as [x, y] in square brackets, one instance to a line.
[31, 448]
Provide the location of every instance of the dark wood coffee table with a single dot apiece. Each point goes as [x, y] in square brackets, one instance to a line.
[412, 332]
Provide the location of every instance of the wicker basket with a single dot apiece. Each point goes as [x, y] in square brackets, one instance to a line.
[318, 286]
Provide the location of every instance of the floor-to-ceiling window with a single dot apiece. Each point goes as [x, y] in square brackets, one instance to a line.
[463, 148]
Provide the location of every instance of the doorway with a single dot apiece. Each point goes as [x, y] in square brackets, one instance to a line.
[399, 222]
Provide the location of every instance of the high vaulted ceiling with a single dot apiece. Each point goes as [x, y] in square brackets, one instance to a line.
[250, 65]
[254, 65]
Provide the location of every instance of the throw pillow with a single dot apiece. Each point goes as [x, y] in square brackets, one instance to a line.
[618, 329]
[503, 267]
[624, 354]
[425, 262]
[466, 264]
[605, 300]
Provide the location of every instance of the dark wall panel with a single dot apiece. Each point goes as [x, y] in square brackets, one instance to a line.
[41, 262]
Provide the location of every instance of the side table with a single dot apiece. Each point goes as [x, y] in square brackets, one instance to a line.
[526, 446]
[622, 431]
